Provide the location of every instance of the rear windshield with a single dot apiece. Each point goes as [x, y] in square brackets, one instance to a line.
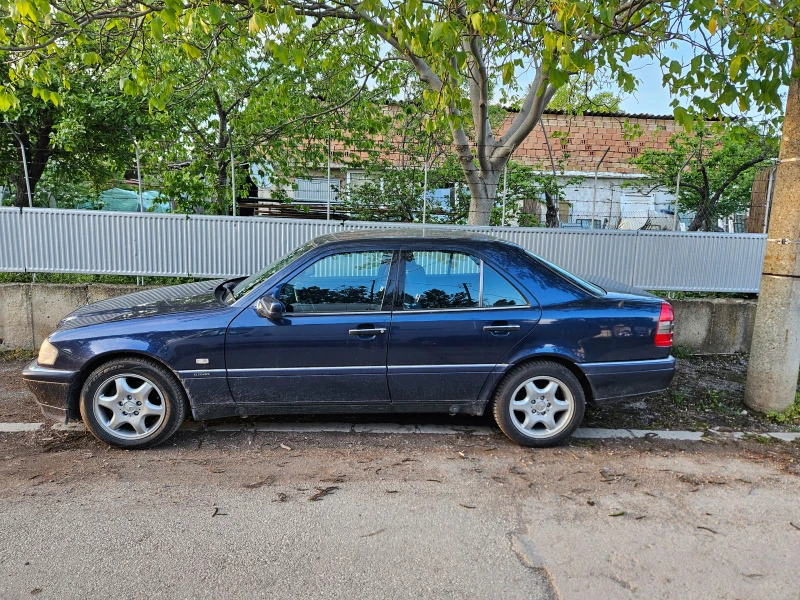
[581, 283]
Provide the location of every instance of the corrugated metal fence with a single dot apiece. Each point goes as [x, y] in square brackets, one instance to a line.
[72, 241]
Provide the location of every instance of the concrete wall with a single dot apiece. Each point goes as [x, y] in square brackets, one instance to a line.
[29, 312]
[714, 326]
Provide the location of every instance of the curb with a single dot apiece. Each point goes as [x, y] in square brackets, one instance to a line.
[397, 428]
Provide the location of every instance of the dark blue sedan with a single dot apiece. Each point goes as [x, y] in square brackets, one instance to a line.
[383, 321]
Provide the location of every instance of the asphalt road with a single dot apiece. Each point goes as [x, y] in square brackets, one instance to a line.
[338, 515]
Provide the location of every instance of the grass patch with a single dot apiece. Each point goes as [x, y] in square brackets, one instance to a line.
[689, 295]
[718, 402]
[679, 398]
[17, 354]
[81, 278]
[682, 352]
[791, 416]
[761, 439]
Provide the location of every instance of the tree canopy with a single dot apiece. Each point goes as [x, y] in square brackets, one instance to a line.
[466, 54]
[717, 169]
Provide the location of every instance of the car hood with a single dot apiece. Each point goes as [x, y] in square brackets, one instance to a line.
[616, 287]
[188, 297]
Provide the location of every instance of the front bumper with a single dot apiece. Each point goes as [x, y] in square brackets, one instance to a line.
[629, 378]
[52, 388]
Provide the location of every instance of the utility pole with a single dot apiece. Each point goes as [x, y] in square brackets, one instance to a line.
[233, 174]
[138, 174]
[24, 163]
[775, 351]
[328, 205]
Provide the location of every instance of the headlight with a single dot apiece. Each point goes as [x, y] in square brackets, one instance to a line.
[47, 354]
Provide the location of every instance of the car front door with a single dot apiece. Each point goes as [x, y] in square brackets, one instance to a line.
[330, 345]
[455, 318]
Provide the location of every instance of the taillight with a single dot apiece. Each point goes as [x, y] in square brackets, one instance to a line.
[666, 323]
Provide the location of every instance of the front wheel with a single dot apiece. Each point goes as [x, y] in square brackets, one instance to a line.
[132, 403]
[539, 404]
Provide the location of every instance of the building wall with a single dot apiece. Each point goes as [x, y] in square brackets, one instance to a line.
[580, 140]
[578, 143]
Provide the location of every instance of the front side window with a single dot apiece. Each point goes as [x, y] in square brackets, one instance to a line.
[453, 280]
[347, 282]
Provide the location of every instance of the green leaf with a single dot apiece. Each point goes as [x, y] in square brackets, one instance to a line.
[476, 20]
[437, 31]
[7, 100]
[91, 58]
[156, 29]
[191, 50]
[214, 13]
[735, 66]
[508, 73]
[682, 116]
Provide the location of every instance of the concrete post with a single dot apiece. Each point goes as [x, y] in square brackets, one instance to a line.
[775, 352]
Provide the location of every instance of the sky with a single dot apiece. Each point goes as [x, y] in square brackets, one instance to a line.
[650, 96]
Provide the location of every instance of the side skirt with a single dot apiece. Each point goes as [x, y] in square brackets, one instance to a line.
[213, 411]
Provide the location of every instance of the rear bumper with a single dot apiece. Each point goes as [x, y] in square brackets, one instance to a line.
[51, 388]
[629, 378]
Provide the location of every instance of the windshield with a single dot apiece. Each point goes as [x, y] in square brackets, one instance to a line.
[256, 278]
[589, 287]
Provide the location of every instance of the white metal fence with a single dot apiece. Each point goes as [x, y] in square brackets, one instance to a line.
[71, 241]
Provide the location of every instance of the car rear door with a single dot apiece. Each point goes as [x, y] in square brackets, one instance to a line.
[329, 347]
[455, 318]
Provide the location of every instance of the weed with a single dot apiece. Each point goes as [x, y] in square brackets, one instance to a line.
[679, 399]
[682, 352]
[17, 354]
[717, 401]
[690, 295]
[79, 278]
[791, 416]
[761, 439]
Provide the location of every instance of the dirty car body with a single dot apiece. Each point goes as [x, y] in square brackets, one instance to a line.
[405, 321]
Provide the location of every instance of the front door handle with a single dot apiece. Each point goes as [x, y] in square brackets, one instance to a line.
[501, 328]
[372, 331]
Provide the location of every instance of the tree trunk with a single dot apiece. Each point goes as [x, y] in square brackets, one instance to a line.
[483, 192]
[704, 219]
[36, 155]
[552, 218]
[223, 138]
[775, 351]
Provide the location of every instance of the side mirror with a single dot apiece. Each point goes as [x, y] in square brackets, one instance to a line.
[269, 307]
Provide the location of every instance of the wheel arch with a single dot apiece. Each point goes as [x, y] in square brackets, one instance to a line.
[74, 396]
[556, 358]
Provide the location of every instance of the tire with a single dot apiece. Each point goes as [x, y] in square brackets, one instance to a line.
[132, 403]
[539, 404]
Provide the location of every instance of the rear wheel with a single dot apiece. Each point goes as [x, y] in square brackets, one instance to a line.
[132, 403]
[539, 404]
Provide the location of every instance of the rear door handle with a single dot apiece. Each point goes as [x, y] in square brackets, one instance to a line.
[501, 328]
[373, 331]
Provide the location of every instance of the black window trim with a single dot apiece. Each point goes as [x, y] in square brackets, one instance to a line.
[401, 287]
[388, 296]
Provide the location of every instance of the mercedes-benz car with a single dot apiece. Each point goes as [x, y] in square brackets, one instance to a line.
[407, 320]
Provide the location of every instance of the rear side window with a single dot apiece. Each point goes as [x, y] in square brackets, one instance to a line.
[498, 291]
[441, 280]
[454, 280]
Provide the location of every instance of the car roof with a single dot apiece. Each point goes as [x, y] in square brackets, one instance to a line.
[405, 233]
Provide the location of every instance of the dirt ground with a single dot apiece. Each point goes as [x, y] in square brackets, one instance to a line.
[707, 391]
[36, 462]
[339, 515]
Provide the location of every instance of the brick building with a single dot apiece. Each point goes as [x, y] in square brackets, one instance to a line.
[578, 143]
